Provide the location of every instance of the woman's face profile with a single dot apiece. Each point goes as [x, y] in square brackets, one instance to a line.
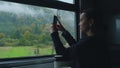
[83, 23]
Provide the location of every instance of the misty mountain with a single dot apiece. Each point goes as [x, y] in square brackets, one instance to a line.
[14, 17]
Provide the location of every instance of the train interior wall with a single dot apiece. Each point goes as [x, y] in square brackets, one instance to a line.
[113, 28]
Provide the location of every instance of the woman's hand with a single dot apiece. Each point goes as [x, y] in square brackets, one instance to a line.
[53, 28]
[60, 27]
[56, 27]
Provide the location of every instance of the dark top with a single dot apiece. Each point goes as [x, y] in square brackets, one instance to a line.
[90, 52]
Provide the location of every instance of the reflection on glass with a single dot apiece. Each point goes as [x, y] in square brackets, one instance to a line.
[117, 36]
[25, 29]
[67, 1]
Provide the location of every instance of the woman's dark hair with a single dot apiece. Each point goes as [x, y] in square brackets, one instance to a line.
[90, 13]
[95, 14]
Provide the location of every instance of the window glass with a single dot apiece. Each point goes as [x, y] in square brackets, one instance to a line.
[117, 38]
[114, 30]
[67, 1]
[67, 19]
[25, 29]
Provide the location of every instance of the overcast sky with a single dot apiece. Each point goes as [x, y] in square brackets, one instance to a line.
[69, 1]
[20, 9]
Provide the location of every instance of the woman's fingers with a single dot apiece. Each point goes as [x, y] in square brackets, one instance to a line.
[53, 28]
[56, 27]
[60, 28]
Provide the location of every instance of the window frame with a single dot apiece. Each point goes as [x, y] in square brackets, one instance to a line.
[47, 3]
[51, 4]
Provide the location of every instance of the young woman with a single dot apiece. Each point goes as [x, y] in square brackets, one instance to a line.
[88, 52]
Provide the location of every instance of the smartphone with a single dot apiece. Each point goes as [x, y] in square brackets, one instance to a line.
[55, 20]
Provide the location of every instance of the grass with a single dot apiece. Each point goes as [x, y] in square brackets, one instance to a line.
[24, 51]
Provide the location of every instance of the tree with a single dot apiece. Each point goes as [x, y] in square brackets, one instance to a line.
[27, 34]
[2, 35]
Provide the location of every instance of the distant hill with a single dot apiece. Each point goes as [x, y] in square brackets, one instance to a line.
[29, 25]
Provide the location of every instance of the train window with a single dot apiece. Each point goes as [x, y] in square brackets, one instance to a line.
[117, 31]
[67, 1]
[25, 29]
[67, 19]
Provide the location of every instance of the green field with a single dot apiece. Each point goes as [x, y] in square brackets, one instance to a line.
[25, 51]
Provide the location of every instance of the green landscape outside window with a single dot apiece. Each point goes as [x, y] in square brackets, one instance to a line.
[25, 29]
